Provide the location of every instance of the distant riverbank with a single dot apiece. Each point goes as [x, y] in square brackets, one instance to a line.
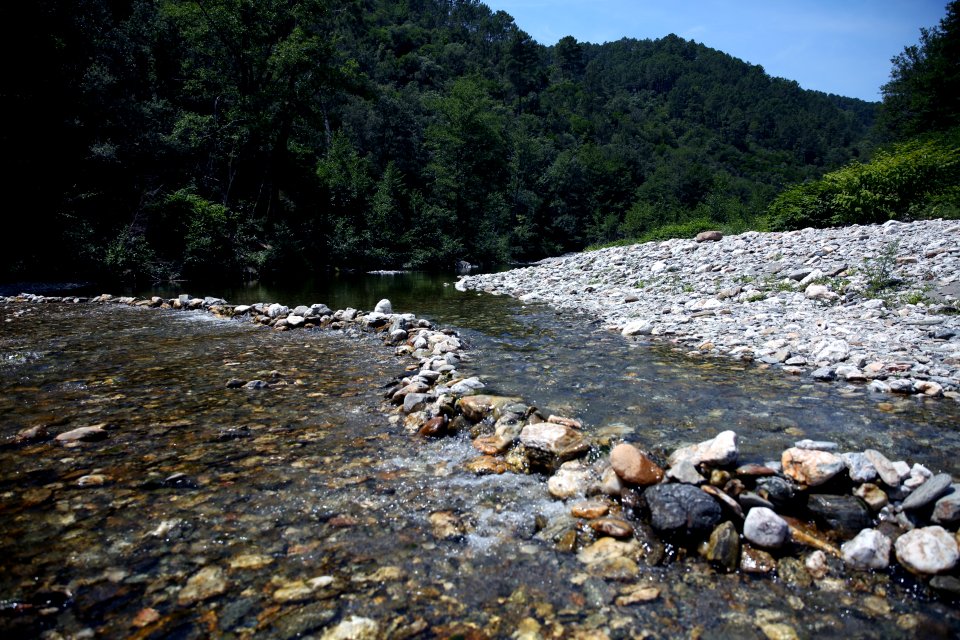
[875, 305]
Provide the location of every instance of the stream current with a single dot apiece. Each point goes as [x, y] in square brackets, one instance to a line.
[301, 506]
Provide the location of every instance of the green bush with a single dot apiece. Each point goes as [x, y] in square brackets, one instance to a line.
[915, 179]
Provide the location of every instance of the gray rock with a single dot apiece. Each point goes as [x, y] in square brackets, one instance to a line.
[885, 469]
[869, 549]
[947, 509]
[859, 467]
[765, 528]
[684, 471]
[277, 310]
[718, 451]
[927, 550]
[681, 510]
[320, 310]
[824, 374]
[384, 307]
[416, 401]
[637, 328]
[301, 310]
[929, 491]
[818, 445]
[900, 385]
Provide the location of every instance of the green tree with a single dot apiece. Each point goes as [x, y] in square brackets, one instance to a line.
[923, 93]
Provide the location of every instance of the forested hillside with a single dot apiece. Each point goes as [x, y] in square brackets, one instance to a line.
[228, 138]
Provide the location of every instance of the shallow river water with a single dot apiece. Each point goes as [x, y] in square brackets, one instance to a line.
[278, 513]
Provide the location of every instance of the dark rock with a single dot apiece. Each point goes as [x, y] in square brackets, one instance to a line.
[946, 584]
[681, 510]
[723, 549]
[847, 515]
[235, 383]
[775, 489]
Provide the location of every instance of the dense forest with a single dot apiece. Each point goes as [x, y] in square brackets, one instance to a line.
[244, 138]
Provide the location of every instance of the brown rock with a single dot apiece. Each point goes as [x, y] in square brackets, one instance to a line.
[434, 427]
[811, 467]
[590, 509]
[478, 407]
[613, 527]
[487, 465]
[756, 560]
[633, 465]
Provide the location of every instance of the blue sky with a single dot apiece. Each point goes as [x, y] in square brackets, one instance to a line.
[836, 46]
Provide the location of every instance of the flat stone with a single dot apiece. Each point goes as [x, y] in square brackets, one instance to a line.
[811, 468]
[927, 550]
[487, 465]
[637, 328]
[931, 490]
[816, 445]
[590, 509]
[708, 236]
[885, 469]
[634, 466]
[613, 527]
[83, 434]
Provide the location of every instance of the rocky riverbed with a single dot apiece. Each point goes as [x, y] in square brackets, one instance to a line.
[871, 305]
[818, 524]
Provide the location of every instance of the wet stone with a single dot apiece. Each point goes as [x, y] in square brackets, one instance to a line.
[845, 514]
[614, 527]
[589, 509]
[753, 560]
[723, 548]
[859, 467]
[793, 572]
[634, 466]
[353, 628]
[681, 510]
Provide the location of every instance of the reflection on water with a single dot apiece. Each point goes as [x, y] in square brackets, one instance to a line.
[300, 505]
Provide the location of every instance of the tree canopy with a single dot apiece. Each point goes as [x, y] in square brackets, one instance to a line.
[225, 138]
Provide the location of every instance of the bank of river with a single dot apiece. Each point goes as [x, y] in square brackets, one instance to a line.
[306, 507]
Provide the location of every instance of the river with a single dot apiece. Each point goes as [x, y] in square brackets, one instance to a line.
[302, 506]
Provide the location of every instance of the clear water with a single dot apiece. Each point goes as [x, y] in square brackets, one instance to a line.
[312, 480]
